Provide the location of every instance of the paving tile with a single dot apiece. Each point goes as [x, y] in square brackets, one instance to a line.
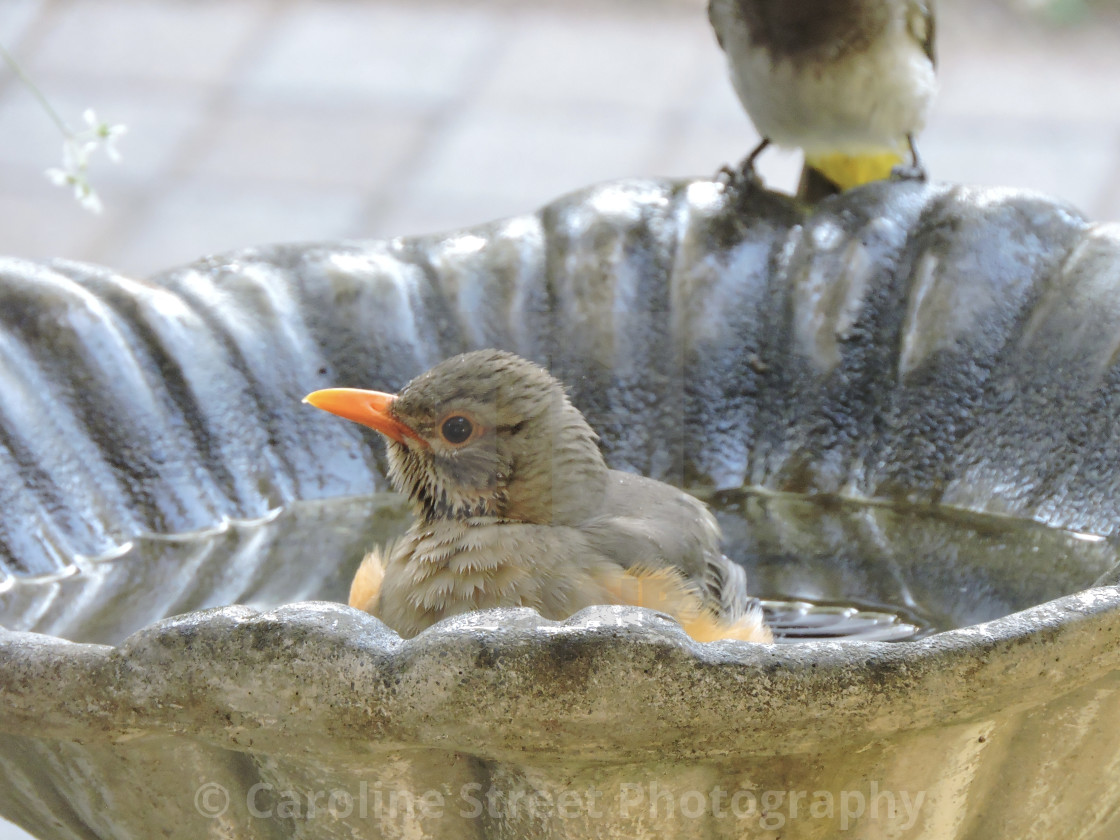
[537, 153]
[713, 100]
[635, 61]
[12, 832]
[495, 163]
[362, 149]
[41, 221]
[1062, 87]
[414, 214]
[994, 63]
[195, 42]
[204, 217]
[1108, 209]
[418, 54]
[1065, 162]
[16, 18]
[159, 124]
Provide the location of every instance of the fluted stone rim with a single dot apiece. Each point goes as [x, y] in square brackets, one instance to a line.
[496, 682]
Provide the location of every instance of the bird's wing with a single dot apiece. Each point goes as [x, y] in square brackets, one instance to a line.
[715, 25]
[645, 524]
[922, 26]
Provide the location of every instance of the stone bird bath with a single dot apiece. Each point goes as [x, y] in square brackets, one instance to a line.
[905, 401]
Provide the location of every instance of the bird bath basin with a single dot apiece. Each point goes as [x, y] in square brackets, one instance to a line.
[902, 403]
[826, 568]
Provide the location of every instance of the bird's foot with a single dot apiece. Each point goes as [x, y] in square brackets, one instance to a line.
[915, 170]
[909, 172]
[745, 178]
[739, 179]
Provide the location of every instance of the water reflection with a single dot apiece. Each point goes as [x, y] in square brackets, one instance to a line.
[825, 568]
[933, 568]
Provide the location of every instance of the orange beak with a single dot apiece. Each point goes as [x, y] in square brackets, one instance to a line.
[370, 408]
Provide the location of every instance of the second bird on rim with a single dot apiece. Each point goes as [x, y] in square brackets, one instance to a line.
[850, 82]
[515, 506]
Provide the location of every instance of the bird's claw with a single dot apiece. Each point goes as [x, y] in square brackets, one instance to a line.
[726, 176]
[742, 178]
[909, 172]
[913, 171]
[745, 178]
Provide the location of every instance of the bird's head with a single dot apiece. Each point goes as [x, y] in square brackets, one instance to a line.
[483, 434]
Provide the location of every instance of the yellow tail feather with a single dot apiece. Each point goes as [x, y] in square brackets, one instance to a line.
[365, 589]
[666, 590]
[847, 171]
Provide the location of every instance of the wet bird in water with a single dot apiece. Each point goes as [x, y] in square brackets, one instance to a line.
[850, 82]
[515, 506]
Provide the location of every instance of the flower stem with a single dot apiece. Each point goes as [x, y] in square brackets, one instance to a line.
[10, 60]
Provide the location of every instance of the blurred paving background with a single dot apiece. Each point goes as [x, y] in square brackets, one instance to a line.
[254, 121]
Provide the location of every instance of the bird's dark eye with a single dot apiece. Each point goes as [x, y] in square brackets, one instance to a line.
[457, 429]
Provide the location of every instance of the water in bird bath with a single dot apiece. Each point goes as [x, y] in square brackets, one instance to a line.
[830, 567]
[824, 568]
[304, 551]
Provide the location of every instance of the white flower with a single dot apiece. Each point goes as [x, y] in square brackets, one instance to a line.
[59, 177]
[103, 133]
[77, 147]
[77, 179]
[88, 198]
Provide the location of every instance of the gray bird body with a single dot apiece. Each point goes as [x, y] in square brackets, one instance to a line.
[831, 77]
[525, 512]
[450, 566]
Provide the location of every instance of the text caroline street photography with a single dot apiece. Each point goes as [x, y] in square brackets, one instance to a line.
[392, 805]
